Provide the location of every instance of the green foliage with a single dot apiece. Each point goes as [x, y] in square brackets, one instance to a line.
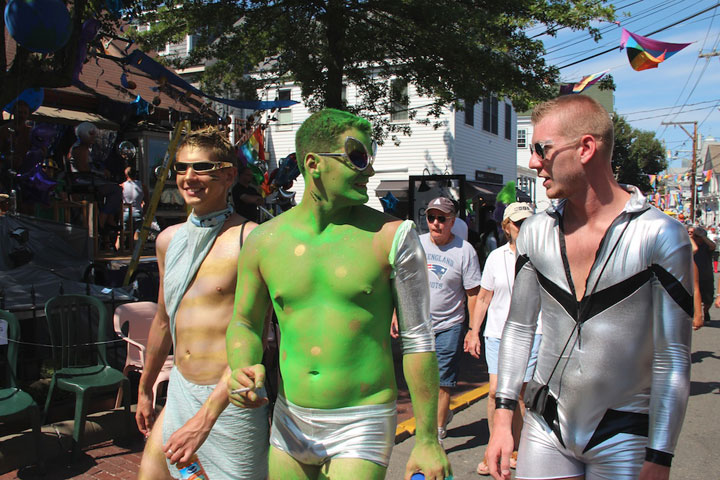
[636, 154]
[448, 49]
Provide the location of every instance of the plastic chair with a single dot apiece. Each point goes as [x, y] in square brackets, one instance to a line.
[138, 317]
[13, 401]
[78, 332]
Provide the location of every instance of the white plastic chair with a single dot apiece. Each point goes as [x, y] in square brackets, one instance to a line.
[139, 316]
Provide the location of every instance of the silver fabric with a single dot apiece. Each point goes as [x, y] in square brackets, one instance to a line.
[314, 436]
[543, 457]
[410, 291]
[237, 447]
[631, 349]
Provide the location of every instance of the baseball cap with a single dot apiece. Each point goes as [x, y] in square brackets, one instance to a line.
[443, 204]
[517, 211]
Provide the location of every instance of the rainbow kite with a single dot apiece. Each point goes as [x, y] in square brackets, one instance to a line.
[644, 53]
[568, 88]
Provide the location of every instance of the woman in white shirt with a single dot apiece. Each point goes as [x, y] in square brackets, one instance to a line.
[494, 300]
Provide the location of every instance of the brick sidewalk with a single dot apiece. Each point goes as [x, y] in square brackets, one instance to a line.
[104, 461]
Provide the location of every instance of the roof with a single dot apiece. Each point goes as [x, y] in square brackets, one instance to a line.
[100, 88]
[713, 155]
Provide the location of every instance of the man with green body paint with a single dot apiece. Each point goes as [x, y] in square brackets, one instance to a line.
[334, 271]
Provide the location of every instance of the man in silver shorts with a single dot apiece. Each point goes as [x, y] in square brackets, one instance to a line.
[613, 277]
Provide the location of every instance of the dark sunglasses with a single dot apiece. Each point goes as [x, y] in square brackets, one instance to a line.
[519, 222]
[440, 218]
[200, 167]
[355, 155]
[539, 148]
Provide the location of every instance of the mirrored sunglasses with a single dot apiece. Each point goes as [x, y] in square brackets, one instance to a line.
[355, 155]
[440, 218]
[199, 167]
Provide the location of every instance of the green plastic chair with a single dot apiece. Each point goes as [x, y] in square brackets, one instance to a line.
[13, 401]
[78, 326]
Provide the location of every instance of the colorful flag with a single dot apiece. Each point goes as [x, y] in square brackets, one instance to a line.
[708, 175]
[254, 149]
[652, 180]
[568, 88]
[644, 53]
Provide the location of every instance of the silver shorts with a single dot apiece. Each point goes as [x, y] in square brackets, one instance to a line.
[314, 436]
[541, 456]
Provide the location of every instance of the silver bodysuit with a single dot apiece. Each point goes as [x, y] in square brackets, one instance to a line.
[621, 356]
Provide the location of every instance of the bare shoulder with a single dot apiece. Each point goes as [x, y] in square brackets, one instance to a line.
[163, 239]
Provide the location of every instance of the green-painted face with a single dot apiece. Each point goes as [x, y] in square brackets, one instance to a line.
[339, 180]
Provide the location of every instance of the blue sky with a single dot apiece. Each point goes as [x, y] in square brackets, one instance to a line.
[684, 88]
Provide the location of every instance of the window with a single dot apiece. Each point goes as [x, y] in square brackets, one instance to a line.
[521, 138]
[284, 115]
[508, 121]
[399, 101]
[343, 95]
[490, 114]
[469, 112]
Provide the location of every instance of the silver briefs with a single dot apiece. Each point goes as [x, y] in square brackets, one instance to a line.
[544, 457]
[410, 290]
[626, 367]
[314, 436]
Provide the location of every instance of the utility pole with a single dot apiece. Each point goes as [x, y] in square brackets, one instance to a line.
[694, 163]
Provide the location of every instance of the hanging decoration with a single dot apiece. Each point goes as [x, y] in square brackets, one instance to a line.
[389, 202]
[41, 26]
[708, 175]
[644, 53]
[141, 106]
[89, 31]
[164, 76]
[579, 87]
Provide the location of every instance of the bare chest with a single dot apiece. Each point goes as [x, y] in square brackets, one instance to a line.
[580, 251]
[337, 268]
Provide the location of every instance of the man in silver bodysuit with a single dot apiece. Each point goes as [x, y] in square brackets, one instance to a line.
[613, 277]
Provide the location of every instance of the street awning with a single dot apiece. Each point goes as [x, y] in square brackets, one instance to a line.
[72, 117]
[399, 188]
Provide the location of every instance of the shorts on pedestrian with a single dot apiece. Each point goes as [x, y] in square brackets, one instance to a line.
[492, 351]
[448, 351]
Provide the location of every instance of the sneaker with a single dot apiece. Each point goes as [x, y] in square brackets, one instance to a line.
[442, 431]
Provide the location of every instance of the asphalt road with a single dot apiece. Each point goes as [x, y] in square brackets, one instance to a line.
[698, 452]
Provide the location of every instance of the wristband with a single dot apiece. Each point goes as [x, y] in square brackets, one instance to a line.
[505, 403]
[658, 457]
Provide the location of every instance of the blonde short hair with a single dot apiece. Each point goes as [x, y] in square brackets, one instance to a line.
[579, 115]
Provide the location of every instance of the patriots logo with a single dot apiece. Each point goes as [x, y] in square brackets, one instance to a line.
[437, 269]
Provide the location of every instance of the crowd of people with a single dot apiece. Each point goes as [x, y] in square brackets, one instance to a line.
[598, 391]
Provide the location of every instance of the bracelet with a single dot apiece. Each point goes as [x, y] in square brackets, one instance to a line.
[658, 457]
[505, 403]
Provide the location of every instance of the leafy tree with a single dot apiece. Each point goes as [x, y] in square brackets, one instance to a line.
[55, 70]
[637, 154]
[448, 49]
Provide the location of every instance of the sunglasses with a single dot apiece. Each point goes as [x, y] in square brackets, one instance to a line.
[440, 218]
[200, 167]
[355, 155]
[539, 148]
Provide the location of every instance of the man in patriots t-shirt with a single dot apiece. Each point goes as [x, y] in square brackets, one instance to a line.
[454, 273]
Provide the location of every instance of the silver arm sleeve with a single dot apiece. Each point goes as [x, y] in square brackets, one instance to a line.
[672, 332]
[519, 331]
[410, 291]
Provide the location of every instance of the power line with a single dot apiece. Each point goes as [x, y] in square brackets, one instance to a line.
[665, 108]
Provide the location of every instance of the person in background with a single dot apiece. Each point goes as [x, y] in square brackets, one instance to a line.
[703, 249]
[454, 275]
[246, 198]
[134, 194]
[496, 287]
